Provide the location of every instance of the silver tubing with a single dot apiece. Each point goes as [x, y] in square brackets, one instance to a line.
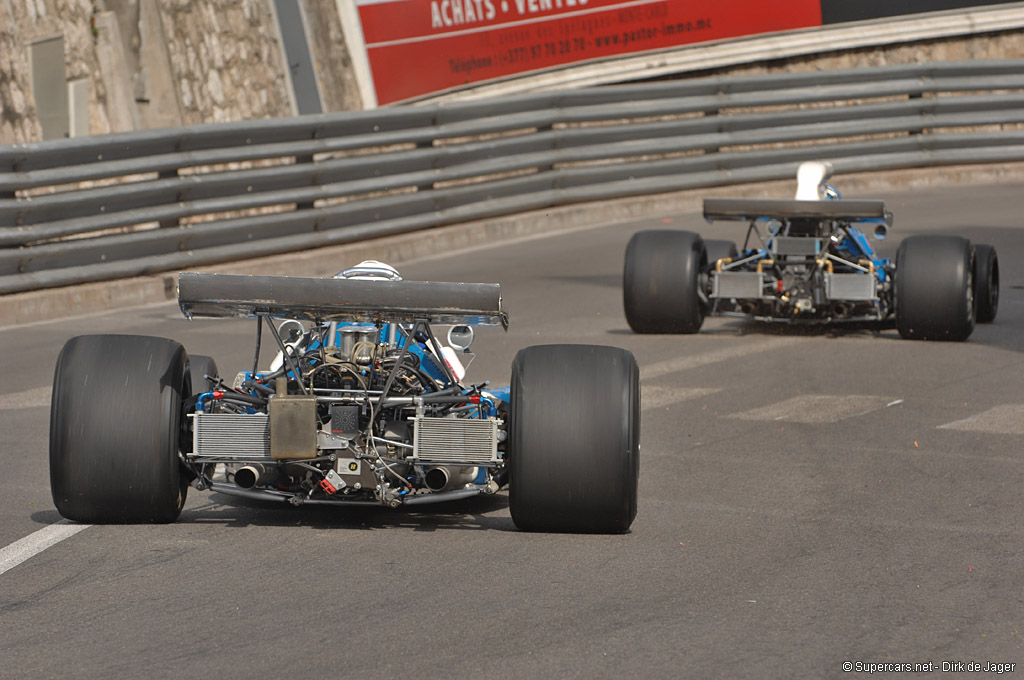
[423, 499]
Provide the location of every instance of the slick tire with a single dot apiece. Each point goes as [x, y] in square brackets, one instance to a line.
[115, 426]
[986, 282]
[199, 367]
[717, 249]
[934, 288]
[661, 282]
[574, 439]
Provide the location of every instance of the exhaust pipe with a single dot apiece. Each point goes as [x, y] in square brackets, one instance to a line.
[448, 477]
[254, 475]
[436, 478]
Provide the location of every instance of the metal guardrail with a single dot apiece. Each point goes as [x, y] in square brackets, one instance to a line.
[113, 206]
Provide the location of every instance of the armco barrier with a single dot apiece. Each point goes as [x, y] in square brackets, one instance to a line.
[99, 208]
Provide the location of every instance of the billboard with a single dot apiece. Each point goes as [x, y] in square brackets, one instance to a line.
[415, 47]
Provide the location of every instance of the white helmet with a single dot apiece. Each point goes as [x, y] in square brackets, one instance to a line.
[370, 270]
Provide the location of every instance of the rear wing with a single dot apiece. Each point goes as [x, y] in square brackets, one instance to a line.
[752, 208]
[346, 300]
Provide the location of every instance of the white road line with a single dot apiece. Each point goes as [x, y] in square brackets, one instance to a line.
[1004, 419]
[816, 408]
[35, 543]
[34, 398]
[661, 368]
[656, 396]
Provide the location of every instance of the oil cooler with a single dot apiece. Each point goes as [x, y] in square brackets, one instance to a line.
[231, 436]
[455, 440]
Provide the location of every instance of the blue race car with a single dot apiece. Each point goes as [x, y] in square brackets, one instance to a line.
[809, 260]
[363, 406]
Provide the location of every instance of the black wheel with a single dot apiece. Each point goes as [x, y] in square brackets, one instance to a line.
[203, 372]
[661, 282]
[574, 444]
[986, 282]
[115, 420]
[934, 288]
[716, 249]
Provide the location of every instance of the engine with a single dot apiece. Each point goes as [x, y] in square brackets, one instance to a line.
[352, 414]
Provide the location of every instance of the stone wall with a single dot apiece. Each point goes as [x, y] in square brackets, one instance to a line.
[227, 60]
[23, 22]
[161, 63]
[331, 59]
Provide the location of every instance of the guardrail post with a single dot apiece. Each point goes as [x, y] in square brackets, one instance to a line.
[425, 144]
[713, 113]
[542, 130]
[307, 204]
[916, 95]
[168, 174]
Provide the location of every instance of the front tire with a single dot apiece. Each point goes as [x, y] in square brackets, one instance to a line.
[115, 422]
[574, 445]
[661, 282]
[934, 288]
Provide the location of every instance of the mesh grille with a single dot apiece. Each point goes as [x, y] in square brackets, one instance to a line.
[850, 286]
[456, 440]
[231, 435]
[743, 285]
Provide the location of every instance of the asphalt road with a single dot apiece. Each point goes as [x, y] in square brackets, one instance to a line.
[806, 499]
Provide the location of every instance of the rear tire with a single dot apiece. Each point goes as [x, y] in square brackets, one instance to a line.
[986, 282]
[661, 282]
[716, 249]
[115, 421]
[574, 445]
[201, 365]
[934, 288]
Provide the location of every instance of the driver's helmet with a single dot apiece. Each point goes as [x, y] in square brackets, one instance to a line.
[370, 270]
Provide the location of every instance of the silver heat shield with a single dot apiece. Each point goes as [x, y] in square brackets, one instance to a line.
[345, 300]
[455, 440]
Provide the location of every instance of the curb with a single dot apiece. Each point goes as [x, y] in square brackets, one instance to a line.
[91, 298]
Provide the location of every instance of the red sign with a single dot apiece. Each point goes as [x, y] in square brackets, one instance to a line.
[420, 46]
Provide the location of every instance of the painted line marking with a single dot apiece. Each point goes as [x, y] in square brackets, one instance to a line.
[35, 543]
[655, 396]
[678, 364]
[1003, 419]
[816, 408]
[35, 398]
